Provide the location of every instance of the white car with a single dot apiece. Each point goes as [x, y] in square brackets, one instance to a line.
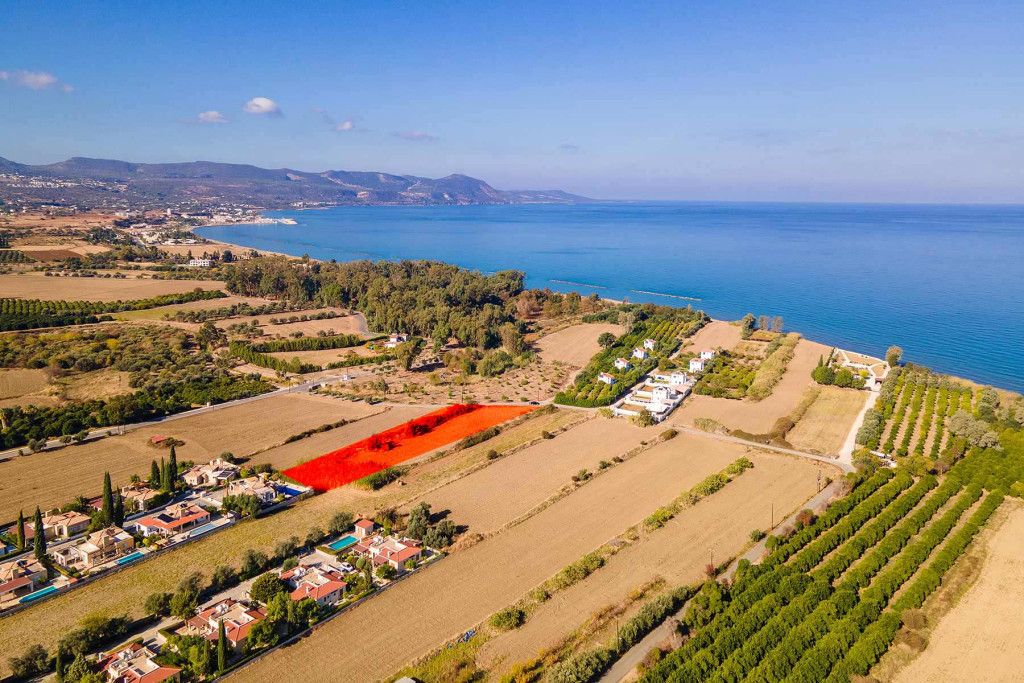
[346, 567]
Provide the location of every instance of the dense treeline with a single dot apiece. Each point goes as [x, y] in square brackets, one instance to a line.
[426, 298]
[249, 354]
[164, 395]
[338, 341]
[13, 256]
[23, 314]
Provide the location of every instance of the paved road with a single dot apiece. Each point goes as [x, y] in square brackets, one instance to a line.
[625, 665]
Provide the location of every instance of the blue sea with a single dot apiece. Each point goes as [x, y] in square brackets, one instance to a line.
[944, 282]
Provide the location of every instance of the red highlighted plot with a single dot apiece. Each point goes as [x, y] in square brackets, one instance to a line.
[401, 443]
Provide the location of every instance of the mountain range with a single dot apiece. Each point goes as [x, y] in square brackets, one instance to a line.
[107, 182]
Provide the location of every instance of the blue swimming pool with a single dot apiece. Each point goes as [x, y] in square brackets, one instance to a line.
[130, 558]
[39, 594]
[343, 542]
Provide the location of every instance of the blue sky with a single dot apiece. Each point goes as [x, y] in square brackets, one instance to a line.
[740, 101]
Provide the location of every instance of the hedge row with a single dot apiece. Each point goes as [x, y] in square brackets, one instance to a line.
[337, 341]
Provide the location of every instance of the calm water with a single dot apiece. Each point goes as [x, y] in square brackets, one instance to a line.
[944, 282]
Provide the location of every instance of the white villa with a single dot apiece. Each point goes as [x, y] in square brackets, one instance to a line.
[606, 378]
[621, 364]
[707, 355]
[650, 344]
[395, 339]
[697, 364]
[658, 399]
[676, 380]
[640, 353]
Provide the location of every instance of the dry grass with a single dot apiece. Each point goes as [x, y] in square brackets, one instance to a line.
[35, 285]
[30, 481]
[574, 345]
[204, 305]
[471, 584]
[125, 592]
[324, 356]
[982, 637]
[513, 486]
[344, 324]
[98, 384]
[759, 417]
[714, 529]
[288, 455]
[80, 221]
[15, 383]
[825, 424]
[717, 334]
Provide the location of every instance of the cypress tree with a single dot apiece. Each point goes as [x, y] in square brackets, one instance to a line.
[154, 475]
[21, 530]
[107, 511]
[222, 648]
[40, 537]
[165, 476]
[58, 667]
[118, 510]
[172, 467]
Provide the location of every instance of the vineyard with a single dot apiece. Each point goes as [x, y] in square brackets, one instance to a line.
[666, 330]
[826, 603]
[24, 314]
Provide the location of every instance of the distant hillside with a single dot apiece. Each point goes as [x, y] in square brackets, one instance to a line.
[105, 182]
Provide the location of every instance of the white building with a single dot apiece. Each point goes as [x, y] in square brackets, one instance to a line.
[650, 344]
[697, 364]
[640, 353]
[621, 364]
[707, 355]
[395, 339]
[674, 380]
[606, 378]
[200, 263]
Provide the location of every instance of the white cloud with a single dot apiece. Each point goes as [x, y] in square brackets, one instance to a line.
[345, 126]
[211, 116]
[417, 136]
[263, 106]
[35, 80]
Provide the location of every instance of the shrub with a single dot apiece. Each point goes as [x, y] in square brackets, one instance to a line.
[508, 619]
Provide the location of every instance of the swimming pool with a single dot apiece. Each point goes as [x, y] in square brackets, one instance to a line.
[39, 594]
[343, 542]
[130, 558]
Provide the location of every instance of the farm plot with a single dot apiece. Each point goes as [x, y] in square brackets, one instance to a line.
[714, 529]
[126, 591]
[759, 417]
[513, 486]
[36, 286]
[825, 424]
[717, 334]
[982, 637]
[26, 482]
[210, 304]
[290, 454]
[354, 323]
[804, 614]
[488, 575]
[401, 443]
[575, 345]
[18, 386]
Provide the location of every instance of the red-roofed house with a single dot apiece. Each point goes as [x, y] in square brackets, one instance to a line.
[324, 585]
[135, 664]
[390, 550]
[19, 577]
[173, 519]
[238, 620]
